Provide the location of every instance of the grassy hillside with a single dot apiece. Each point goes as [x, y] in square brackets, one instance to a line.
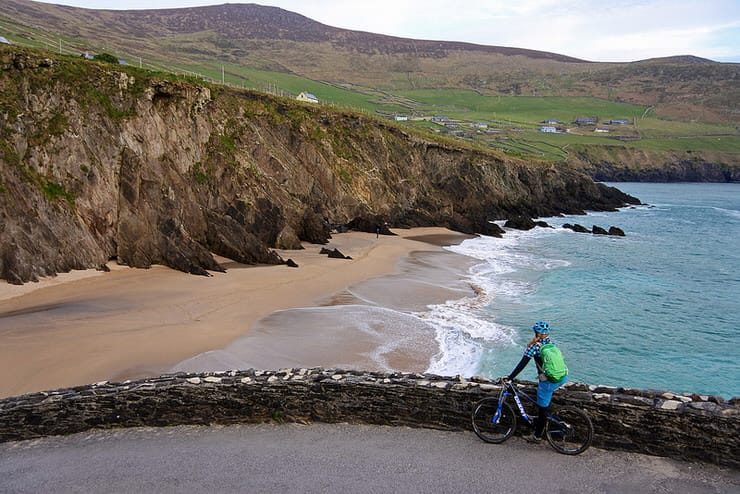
[683, 105]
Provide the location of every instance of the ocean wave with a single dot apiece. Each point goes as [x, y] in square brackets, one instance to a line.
[465, 328]
[462, 336]
[733, 213]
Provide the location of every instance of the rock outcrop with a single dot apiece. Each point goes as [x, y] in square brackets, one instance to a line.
[628, 164]
[520, 223]
[333, 253]
[577, 228]
[100, 162]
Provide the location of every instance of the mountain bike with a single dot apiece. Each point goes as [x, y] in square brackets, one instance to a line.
[568, 430]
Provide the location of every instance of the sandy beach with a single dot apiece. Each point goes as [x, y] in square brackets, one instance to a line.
[89, 326]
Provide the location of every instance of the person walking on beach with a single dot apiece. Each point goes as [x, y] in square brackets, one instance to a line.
[546, 385]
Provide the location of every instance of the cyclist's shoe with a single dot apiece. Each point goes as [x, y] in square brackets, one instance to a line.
[531, 438]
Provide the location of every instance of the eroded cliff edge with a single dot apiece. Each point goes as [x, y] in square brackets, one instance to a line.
[100, 162]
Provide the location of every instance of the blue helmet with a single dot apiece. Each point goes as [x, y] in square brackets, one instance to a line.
[541, 327]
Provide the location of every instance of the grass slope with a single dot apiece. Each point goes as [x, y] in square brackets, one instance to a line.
[515, 118]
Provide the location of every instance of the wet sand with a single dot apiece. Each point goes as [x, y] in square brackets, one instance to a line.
[370, 325]
[89, 326]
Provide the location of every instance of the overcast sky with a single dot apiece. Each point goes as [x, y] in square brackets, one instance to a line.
[599, 30]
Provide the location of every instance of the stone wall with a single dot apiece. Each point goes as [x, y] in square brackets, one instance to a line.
[699, 428]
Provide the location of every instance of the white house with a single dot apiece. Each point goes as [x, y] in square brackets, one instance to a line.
[602, 131]
[307, 97]
[549, 129]
[401, 118]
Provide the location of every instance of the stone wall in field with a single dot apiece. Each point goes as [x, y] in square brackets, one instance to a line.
[695, 428]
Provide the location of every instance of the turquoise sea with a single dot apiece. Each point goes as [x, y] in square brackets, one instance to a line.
[659, 308]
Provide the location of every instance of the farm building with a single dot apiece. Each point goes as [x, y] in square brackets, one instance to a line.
[585, 121]
[601, 130]
[307, 97]
[440, 119]
[551, 121]
[401, 118]
[618, 121]
[549, 129]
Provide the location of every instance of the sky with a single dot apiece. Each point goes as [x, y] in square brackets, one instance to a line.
[597, 30]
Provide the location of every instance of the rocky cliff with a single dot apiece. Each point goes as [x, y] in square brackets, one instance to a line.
[622, 164]
[100, 162]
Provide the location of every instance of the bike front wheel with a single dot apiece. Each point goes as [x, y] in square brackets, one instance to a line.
[493, 423]
[569, 431]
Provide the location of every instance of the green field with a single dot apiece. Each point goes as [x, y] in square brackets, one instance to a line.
[516, 118]
[282, 83]
[527, 110]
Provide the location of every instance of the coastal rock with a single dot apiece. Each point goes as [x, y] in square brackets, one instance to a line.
[616, 231]
[632, 165]
[491, 230]
[287, 239]
[314, 228]
[336, 254]
[291, 263]
[172, 173]
[520, 223]
[333, 253]
[597, 230]
[576, 228]
[370, 224]
[542, 224]
[228, 237]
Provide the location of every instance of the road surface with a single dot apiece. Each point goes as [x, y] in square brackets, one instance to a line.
[340, 458]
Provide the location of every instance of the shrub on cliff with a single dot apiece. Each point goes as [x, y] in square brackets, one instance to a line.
[106, 57]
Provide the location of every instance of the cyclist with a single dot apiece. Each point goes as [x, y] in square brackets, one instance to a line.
[545, 388]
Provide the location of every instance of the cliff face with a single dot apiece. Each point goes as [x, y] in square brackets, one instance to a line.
[100, 162]
[619, 164]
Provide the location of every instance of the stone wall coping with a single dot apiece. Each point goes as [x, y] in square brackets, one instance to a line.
[662, 423]
[661, 400]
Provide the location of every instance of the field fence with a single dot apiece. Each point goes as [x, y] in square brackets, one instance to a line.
[39, 37]
[36, 36]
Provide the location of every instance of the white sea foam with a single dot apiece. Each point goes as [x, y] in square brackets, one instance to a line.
[464, 327]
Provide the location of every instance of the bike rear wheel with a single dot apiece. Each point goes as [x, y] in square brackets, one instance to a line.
[569, 431]
[490, 426]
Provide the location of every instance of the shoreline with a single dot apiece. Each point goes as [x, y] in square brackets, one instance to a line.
[372, 325]
[133, 323]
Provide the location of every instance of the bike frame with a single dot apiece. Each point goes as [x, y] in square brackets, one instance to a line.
[560, 433]
[509, 389]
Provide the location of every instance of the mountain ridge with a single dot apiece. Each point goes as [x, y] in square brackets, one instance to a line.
[249, 20]
[270, 38]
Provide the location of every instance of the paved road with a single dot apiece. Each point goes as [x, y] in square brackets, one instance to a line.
[324, 458]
